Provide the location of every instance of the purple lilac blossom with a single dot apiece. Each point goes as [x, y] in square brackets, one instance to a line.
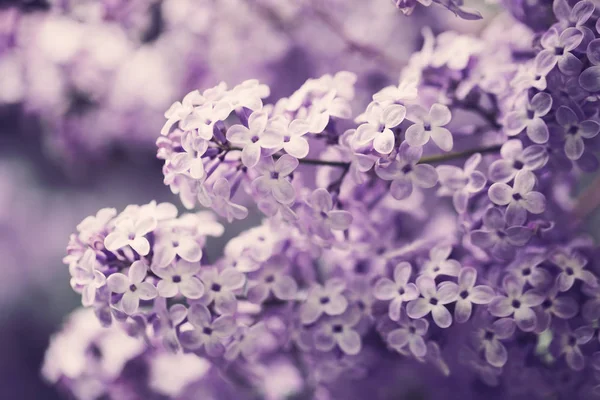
[358, 271]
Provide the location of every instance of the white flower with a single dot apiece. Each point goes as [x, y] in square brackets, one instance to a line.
[180, 278]
[132, 286]
[287, 135]
[249, 138]
[86, 275]
[430, 125]
[274, 179]
[131, 232]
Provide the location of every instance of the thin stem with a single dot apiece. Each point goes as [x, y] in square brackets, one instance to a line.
[453, 156]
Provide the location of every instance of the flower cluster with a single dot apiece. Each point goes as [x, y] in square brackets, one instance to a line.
[433, 232]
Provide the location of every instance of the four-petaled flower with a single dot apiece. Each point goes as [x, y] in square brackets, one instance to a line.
[439, 264]
[520, 198]
[206, 332]
[191, 158]
[515, 159]
[324, 217]
[274, 179]
[517, 303]
[557, 50]
[131, 232]
[469, 294]
[380, 120]
[179, 278]
[85, 275]
[338, 330]
[489, 334]
[500, 236]
[249, 137]
[398, 291]
[410, 332]
[575, 131]
[564, 307]
[222, 203]
[221, 288]
[461, 183]
[132, 286]
[404, 172]
[430, 125]
[433, 301]
[282, 133]
[572, 266]
[271, 278]
[530, 118]
[245, 342]
[174, 243]
[326, 299]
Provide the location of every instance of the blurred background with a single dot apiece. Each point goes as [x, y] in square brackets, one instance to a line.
[83, 88]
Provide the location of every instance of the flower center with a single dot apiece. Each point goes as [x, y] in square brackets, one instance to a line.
[286, 139]
[176, 278]
[274, 175]
[573, 129]
[406, 169]
[516, 303]
[569, 271]
[517, 196]
[518, 165]
[132, 288]
[526, 271]
[464, 294]
[254, 139]
[433, 301]
[488, 335]
[207, 331]
[215, 287]
[547, 304]
[337, 328]
[270, 279]
[324, 300]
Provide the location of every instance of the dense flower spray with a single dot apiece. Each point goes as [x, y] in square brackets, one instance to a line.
[429, 235]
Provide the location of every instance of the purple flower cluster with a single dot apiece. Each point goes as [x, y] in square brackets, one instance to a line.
[363, 270]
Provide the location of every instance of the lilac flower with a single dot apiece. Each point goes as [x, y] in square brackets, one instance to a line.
[132, 286]
[520, 198]
[461, 183]
[245, 342]
[179, 278]
[411, 333]
[222, 203]
[515, 159]
[398, 291]
[204, 117]
[430, 125]
[498, 237]
[191, 158]
[404, 172]
[131, 232]
[591, 308]
[206, 332]
[321, 300]
[274, 179]
[271, 278]
[339, 331]
[380, 120]
[324, 217]
[557, 50]
[530, 118]
[326, 107]
[181, 110]
[439, 264]
[572, 266]
[568, 343]
[249, 138]
[167, 322]
[287, 135]
[527, 268]
[220, 288]
[517, 303]
[563, 307]
[433, 300]
[173, 244]
[489, 336]
[575, 131]
[469, 294]
[87, 277]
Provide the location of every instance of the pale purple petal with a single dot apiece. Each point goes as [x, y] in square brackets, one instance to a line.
[192, 288]
[495, 354]
[402, 273]
[285, 288]
[398, 338]
[258, 293]
[116, 240]
[526, 319]
[500, 193]
[401, 188]
[140, 245]
[418, 308]
[424, 175]
[467, 277]
[537, 131]
[462, 311]
[385, 289]
[416, 135]
[442, 138]
[232, 279]
[349, 341]
[167, 288]
[146, 291]
[340, 219]
[481, 294]
[441, 316]
[500, 306]
[384, 142]
[137, 272]
[117, 283]
[286, 165]
[130, 302]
